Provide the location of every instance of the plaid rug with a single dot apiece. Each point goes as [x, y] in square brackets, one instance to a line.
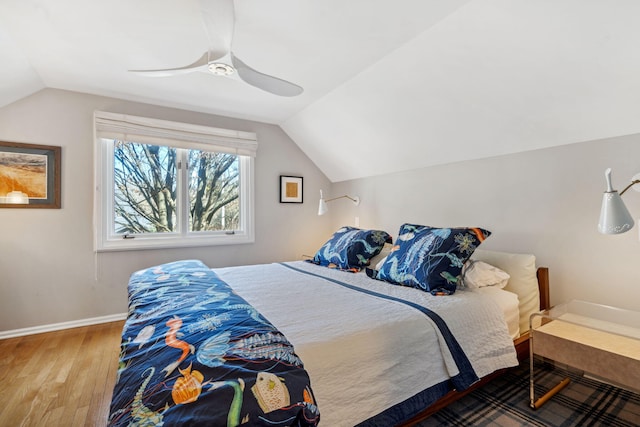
[505, 402]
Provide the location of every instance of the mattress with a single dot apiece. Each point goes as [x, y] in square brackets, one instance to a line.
[508, 303]
[367, 352]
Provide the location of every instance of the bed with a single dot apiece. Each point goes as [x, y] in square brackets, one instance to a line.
[315, 342]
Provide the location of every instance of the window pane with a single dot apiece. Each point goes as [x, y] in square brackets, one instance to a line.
[214, 203]
[144, 188]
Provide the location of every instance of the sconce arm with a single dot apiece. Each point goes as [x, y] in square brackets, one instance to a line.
[634, 182]
[354, 200]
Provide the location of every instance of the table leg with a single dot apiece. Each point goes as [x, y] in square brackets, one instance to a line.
[532, 391]
[548, 395]
[533, 402]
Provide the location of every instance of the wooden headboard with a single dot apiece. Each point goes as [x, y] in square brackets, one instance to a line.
[543, 286]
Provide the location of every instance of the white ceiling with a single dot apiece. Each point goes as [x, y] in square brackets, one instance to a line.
[389, 85]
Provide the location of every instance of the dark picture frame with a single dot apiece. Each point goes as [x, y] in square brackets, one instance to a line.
[291, 190]
[32, 169]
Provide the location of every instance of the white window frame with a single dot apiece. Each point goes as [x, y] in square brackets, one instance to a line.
[111, 126]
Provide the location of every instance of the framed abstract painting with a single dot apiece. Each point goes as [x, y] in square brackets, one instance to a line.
[29, 175]
[290, 189]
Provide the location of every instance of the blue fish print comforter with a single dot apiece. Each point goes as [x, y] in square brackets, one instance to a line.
[194, 353]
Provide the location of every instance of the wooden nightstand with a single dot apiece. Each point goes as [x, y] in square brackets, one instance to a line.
[600, 340]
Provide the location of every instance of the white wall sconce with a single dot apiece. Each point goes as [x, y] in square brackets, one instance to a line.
[16, 198]
[323, 208]
[614, 215]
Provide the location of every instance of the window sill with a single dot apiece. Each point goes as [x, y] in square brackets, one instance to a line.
[141, 243]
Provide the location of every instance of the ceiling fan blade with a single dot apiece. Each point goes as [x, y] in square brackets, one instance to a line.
[263, 81]
[218, 17]
[196, 66]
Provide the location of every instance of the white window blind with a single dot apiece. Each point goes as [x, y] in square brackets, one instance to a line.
[124, 127]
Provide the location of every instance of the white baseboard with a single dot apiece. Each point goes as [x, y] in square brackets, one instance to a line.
[64, 325]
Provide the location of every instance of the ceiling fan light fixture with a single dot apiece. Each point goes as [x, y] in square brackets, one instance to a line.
[220, 68]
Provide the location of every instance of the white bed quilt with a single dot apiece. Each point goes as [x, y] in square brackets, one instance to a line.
[364, 353]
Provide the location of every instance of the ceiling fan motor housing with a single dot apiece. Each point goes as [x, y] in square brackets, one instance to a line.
[220, 68]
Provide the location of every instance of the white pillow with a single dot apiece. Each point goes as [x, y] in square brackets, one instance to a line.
[377, 261]
[379, 264]
[523, 281]
[479, 274]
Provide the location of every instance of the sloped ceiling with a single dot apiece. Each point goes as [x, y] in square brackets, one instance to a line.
[389, 86]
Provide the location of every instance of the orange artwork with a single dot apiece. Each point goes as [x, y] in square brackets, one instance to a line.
[23, 172]
[292, 189]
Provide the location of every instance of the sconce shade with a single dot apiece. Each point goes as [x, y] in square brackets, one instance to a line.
[322, 207]
[614, 215]
[17, 198]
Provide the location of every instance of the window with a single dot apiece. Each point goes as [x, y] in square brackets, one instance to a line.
[168, 184]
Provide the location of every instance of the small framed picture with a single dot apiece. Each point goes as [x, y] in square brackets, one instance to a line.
[290, 189]
[29, 175]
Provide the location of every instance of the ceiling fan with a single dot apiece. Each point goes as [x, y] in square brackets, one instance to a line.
[218, 17]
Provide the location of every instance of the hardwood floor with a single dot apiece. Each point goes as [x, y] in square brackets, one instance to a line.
[62, 378]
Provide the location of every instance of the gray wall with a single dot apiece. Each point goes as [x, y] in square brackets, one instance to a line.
[545, 202]
[48, 270]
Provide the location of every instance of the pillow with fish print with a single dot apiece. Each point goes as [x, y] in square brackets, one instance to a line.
[430, 258]
[351, 248]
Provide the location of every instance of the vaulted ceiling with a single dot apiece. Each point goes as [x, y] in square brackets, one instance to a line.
[388, 85]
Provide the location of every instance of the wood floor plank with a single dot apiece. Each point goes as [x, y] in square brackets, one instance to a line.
[31, 346]
[7, 357]
[70, 351]
[53, 418]
[80, 418]
[61, 378]
[109, 352]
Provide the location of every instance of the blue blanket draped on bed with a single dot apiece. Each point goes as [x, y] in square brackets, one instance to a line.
[194, 353]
